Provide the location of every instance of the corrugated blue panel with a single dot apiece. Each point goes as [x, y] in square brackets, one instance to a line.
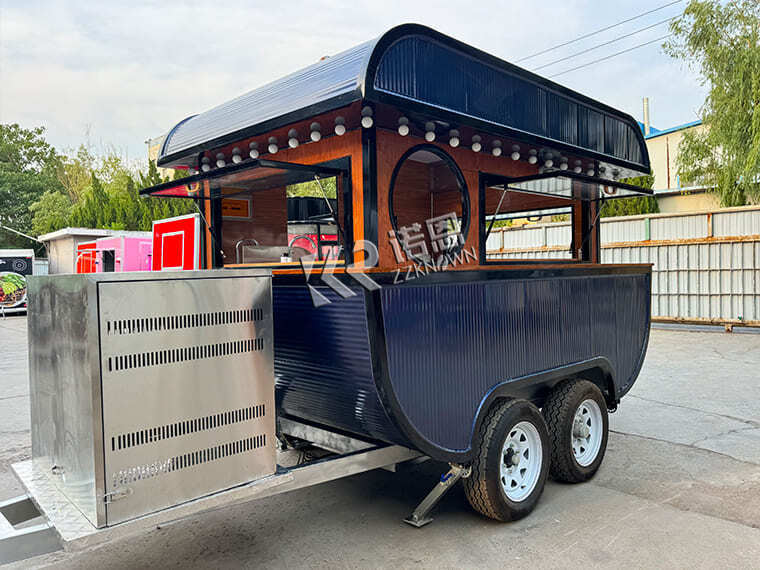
[323, 363]
[631, 299]
[615, 137]
[562, 119]
[419, 68]
[634, 149]
[326, 80]
[590, 129]
[448, 345]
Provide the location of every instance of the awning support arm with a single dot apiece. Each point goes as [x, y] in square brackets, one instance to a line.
[329, 207]
[600, 204]
[211, 231]
[496, 212]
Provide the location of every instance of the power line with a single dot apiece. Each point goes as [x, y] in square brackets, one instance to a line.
[597, 32]
[611, 56]
[612, 41]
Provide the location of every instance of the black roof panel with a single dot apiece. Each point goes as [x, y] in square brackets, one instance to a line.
[418, 69]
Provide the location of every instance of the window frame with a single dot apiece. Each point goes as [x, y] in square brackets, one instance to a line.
[484, 180]
[340, 168]
[452, 164]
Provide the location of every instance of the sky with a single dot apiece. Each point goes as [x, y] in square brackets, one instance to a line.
[119, 72]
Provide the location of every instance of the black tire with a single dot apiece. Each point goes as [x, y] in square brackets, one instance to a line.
[483, 488]
[559, 411]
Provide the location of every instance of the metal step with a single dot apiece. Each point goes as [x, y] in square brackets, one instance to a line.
[24, 532]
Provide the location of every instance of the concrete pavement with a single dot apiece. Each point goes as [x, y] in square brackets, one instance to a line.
[679, 486]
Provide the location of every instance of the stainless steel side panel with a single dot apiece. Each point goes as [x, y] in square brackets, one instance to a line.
[150, 389]
[188, 389]
[65, 388]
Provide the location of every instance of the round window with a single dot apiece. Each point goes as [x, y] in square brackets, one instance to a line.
[428, 204]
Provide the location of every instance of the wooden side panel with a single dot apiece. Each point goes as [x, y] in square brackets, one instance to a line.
[268, 224]
[390, 148]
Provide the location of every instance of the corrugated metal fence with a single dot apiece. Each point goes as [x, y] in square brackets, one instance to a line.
[706, 265]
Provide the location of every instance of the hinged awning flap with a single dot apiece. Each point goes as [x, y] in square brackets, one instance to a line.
[247, 176]
[569, 185]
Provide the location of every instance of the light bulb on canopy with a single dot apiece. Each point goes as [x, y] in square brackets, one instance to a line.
[430, 131]
[293, 138]
[367, 121]
[340, 126]
[403, 126]
[315, 133]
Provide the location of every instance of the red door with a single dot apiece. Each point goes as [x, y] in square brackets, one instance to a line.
[86, 256]
[176, 243]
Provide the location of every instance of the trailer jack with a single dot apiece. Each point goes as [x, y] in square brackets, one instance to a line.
[421, 515]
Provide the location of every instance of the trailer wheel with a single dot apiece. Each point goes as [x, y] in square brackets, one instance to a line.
[511, 461]
[576, 414]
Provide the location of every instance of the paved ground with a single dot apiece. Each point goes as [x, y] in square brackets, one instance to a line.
[680, 487]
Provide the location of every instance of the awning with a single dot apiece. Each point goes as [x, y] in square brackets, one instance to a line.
[571, 185]
[418, 70]
[247, 176]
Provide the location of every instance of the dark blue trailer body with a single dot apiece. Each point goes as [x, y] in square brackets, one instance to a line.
[418, 364]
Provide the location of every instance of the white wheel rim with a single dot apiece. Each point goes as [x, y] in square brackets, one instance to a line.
[521, 459]
[586, 432]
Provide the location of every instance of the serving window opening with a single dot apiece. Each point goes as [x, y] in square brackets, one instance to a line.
[549, 216]
[521, 225]
[428, 204]
[269, 213]
[281, 224]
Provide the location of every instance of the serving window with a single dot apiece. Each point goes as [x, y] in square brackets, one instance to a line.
[268, 212]
[550, 216]
[521, 225]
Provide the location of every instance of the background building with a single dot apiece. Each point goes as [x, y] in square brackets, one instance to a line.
[662, 145]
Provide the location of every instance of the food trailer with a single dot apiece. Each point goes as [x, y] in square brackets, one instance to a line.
[123, 253]
[406, 338]
[16, 265]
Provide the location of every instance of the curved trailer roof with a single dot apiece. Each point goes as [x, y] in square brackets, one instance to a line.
[417, 69]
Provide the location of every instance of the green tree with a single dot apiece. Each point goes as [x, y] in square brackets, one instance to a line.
[103, 192]
[635, 205]
[311, 188]
[28, 166]
[74, 171]
[719, 40]
[50, 212]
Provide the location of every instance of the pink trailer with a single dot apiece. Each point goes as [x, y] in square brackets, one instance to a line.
[123, 253]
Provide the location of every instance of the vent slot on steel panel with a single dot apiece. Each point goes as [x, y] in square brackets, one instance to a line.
[177, 355]
[185, 427]
[191, 459]
[176, 322]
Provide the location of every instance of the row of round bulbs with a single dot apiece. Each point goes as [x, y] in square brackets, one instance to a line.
[367, 120]
[315, 134]
[496, 147]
